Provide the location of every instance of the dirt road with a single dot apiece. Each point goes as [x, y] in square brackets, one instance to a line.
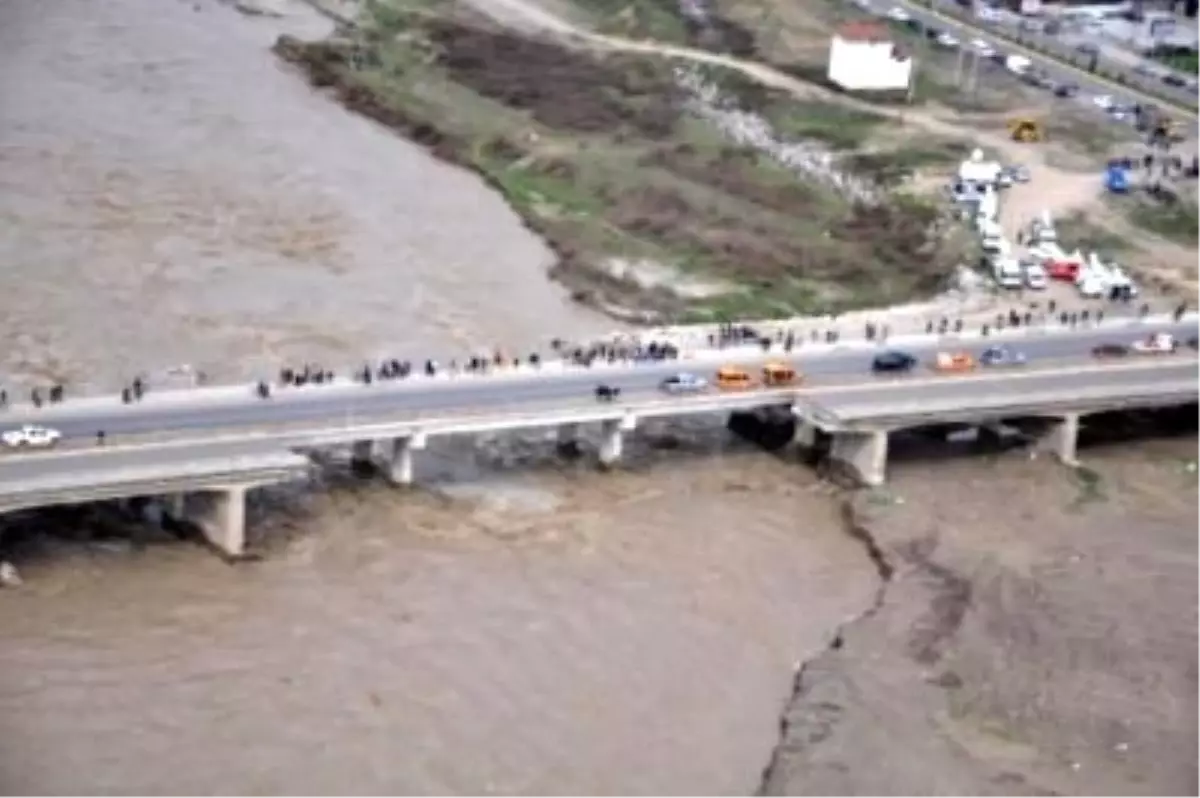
[1057, 190]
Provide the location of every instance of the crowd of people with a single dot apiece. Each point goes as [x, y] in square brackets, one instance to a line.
[623, 351]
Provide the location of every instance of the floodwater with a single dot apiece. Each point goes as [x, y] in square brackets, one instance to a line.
[169, 194]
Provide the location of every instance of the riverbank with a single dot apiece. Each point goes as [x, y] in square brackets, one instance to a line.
[662, 195]
[1035, 634]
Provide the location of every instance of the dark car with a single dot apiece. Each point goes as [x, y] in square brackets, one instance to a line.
[893, 361]
[1110, 350]
[1174, 80]
[1194, 342]
[607, 393]
[1066, 90]
[1003, 355]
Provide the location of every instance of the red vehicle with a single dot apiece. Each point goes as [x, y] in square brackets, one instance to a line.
[1066, 270]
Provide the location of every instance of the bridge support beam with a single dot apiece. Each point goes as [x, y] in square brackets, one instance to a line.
[224, 525]
[612, 439]
[864, 454]
[1062, 438]
[400, 466]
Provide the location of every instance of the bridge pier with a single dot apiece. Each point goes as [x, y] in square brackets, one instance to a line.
[400, 467]
[612, 440]
[1062, 439]
[174, 506]
[224, 524]
[864, 454]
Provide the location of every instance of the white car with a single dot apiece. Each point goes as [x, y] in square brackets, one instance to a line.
[1157, 343]
[897, 14]
[683, 383]
[946, 40]
[983, 48]
[1104, 101]
[32, 436]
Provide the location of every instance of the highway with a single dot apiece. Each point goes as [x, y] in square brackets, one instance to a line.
[1060, 60]
[419, 398]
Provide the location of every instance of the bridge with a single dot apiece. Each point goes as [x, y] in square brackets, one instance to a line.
[213, 445]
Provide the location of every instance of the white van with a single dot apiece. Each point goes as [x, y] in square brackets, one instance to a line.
[1035, 276]
[1007, 272]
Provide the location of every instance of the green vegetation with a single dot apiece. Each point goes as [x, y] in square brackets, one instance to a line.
[1176, 221]
[1184, 61]
[1077, 231]
[597, 154]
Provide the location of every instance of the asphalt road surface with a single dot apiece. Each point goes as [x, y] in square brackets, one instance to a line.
[418, 397]
[1137, 86]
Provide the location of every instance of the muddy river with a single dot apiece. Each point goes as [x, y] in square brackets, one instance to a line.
[169, 194]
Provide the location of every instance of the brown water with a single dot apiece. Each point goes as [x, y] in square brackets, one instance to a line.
[169, 194]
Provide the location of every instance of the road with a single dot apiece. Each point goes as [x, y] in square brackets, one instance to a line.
[425, 398]
[945, 16]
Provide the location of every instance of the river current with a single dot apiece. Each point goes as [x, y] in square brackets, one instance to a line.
[170, 194]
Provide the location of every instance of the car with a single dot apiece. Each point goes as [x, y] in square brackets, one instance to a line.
[683, 383]
[1003, 355]
[1194, 342]
[1066, 90]
[32, 436]
[731, 378]
[1103, 101]
[1110, 350]
[953, 361]
[607, 393]
[893, 361]
[983, 48]
[1156, 344]
[778, 375]
[897, 14]
[1087, 48]
[1171, 79]
[947, 40]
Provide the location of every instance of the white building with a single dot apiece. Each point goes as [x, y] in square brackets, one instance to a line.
[863, 58]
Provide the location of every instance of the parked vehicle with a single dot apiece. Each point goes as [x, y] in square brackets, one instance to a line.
[953, 362]
[607, 393]
[732, 379]
[893, 361]
[31, 436]
[1035, 276]
[683, 383]
[1156, 344]
[1110, 350]
[1003, 355]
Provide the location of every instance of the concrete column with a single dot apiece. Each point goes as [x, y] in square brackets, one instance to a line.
[1062, 438]
[174, 506]
[400, 468]
[612, 439]
[806, 434]
[224, 526]
[863, 453]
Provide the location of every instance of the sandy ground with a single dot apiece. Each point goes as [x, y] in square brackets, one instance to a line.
[1031, 646]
